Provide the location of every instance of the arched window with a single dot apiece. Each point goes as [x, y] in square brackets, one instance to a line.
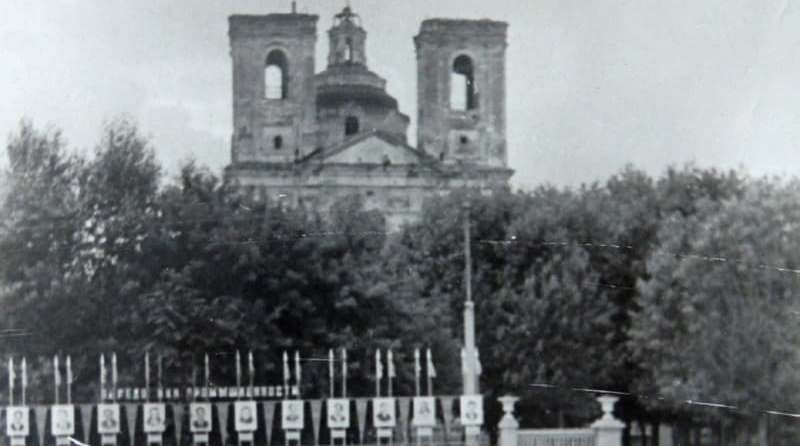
[462, 84]
[276, 76]
[350, 126]
[348, 51]
[277, 142]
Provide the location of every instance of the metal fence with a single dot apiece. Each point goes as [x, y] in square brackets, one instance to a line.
[556, 437]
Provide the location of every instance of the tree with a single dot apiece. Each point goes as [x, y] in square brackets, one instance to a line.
[37, 239]
[75, 229]
[251, 275]
[119, 216]
[620, 230]
[717, 314]
[562, 317]
[427, 267]
[37, 231]
[560, 322]
[535, 298]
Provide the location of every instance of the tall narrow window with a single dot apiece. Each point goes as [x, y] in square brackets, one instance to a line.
[462, 84]
[277, 142]
[276, 76]
[350, 126]
[348, 51]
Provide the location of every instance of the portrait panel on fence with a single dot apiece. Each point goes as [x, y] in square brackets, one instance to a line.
[383, 414]
[108, 419]
[292, 414]
[246, 416]
[62, 420]
[17, 421]
[338, 413]
[471, 410]
[155, 415]
[200, 417]
[424, 411]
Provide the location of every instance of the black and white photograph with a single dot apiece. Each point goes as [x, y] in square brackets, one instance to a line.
[507, 223]
[424, 414]
[292, 416]
[200, 420]
[155, 418]
[17, 421]
[338, 413]
[62, 419]
[383, 415]
[108, 421]
[246, 415]
[471, 410]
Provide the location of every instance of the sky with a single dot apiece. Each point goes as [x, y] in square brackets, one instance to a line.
[592, 86]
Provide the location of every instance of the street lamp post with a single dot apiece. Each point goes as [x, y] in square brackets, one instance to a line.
[470, 352]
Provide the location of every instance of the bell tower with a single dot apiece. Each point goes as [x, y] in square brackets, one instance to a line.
[273, 70]
[461, 88]
[347, 39]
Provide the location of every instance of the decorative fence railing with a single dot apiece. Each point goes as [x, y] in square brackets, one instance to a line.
[557, 437]
[340, 421]
[131, 421]
[607, 431]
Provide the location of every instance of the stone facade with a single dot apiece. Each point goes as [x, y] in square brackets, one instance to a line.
[308, 138]
[477, 132]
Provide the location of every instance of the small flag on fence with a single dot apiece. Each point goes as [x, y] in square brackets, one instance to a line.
[147, 371]
[57, 373]
[417, 366]
[238, 369]
[285, 369]
[114, 371]
[251, 367]
[206, 370]
[11, 374]
[330, 372]
[378, 365]
[103, 374]
[297, 370]
[69, 370]
[431, 368]
[344, 372]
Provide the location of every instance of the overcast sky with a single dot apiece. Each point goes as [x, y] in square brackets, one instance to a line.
[592, 85]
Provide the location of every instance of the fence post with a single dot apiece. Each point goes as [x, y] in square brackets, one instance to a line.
[509, 426]
[608, 430]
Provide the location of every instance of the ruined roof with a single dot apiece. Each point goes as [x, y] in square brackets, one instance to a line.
[255, 25]
[463, 26]
[273, 17]
[437, 31]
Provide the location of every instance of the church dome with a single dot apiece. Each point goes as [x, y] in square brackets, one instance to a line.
[344, 83]
[351, 99]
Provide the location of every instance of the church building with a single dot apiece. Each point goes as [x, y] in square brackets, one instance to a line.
[307, 138]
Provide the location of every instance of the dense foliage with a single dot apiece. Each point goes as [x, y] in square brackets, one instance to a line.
[681, 287]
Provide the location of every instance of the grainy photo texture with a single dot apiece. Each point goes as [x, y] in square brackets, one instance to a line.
[378, 223]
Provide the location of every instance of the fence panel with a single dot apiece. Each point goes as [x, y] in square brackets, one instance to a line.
[556, 437]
